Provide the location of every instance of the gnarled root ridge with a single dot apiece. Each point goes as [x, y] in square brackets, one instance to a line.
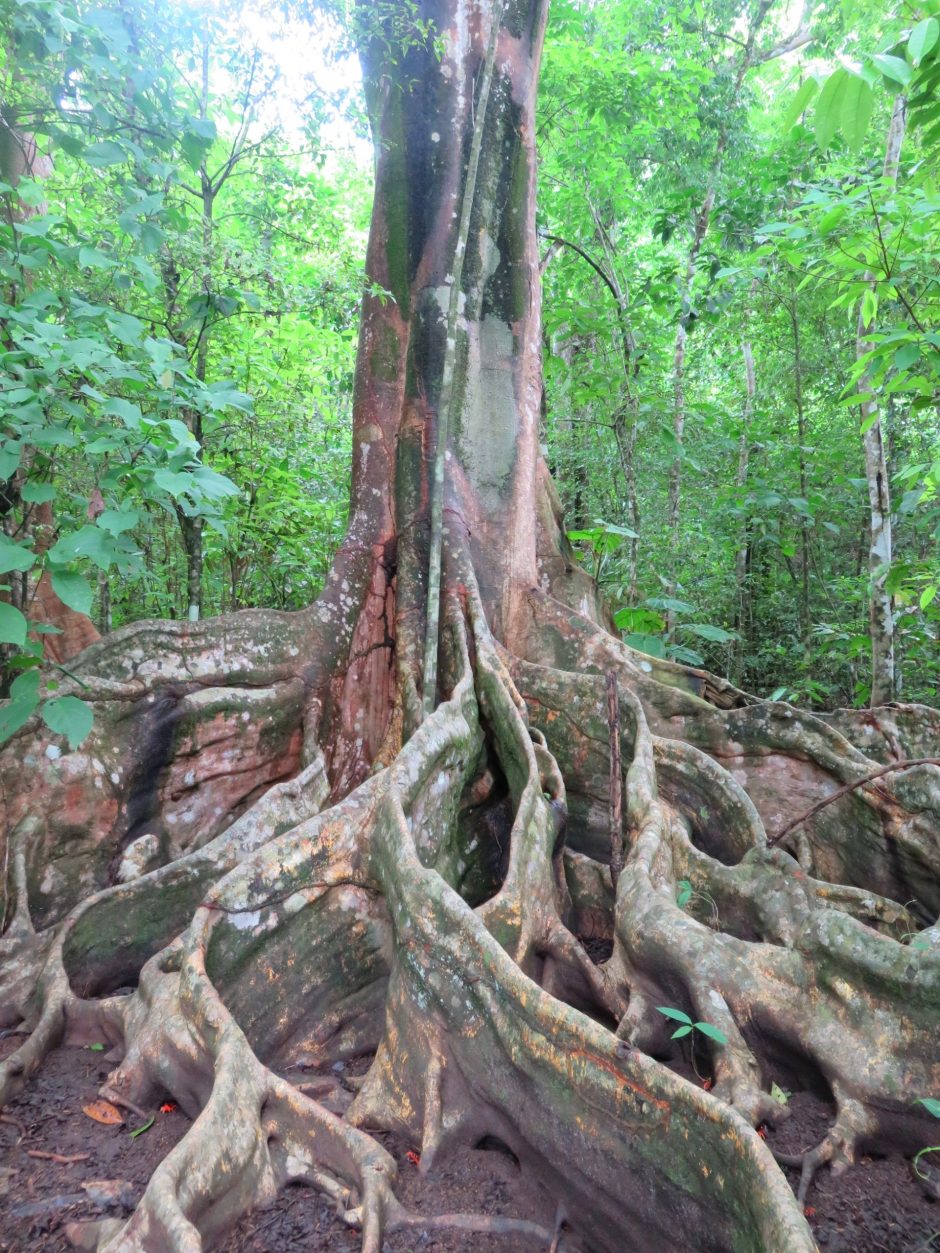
[431, 915]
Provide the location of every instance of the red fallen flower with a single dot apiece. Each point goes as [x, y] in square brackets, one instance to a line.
[809, 1211]
[169, 1107]
[414, 1158]
[708, 1084]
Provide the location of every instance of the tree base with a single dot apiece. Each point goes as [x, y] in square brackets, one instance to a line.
[431, 915]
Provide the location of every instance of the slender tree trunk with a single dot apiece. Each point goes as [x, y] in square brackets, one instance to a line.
[801, 437]
[880, 547]
[742, 590]
[627, 413]
[673, 508]
[192, 526]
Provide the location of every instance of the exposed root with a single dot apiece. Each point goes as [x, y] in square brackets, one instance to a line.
[492, 1020]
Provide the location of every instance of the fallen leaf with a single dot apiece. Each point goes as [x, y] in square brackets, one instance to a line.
[96, 1048]
[104, 1112]
[139, 1131]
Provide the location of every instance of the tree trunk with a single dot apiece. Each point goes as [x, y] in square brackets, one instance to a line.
[355, 849]
[742, 591]
[20, 158]
[880, 547]
[801, 461]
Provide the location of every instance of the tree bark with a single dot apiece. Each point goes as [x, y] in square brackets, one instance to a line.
[300, 843]
[880, 546]
[742, 591]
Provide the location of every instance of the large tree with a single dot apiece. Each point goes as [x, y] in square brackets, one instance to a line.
[380, 824]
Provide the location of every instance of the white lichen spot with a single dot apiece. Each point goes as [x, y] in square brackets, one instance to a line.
[245, 920]
[435, 137]
[53, 752]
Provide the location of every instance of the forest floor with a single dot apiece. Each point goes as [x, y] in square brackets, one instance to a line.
[876, 1208]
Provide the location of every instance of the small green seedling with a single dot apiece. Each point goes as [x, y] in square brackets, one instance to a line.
[687, 1026]
[780, 1095]
[932, 1105]
[683, 893]
[96, 1048]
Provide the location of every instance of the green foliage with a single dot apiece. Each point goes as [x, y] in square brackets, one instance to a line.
[162, 368]
[687, 1026]
[772, 580]
[168, 367]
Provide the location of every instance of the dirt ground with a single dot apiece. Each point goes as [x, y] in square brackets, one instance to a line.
[876, 1208]
[39, 1195]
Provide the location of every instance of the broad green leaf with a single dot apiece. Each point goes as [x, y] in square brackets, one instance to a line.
[116, 521]
[669, 603]
[73, 590]
[683, 893]
[175, 484]
[931, 1104]
[922, 39]
[38, 493]
[129, 413]
[894, 68]
[680, 1032]
[104, 153]
[14, 713]
[652, 645]
[676, 1014]
[713, 1033]
[705, 631]
[26, 687]
[12, 625]
[68, 716]
[906, 356]
[927, 595]
[829, 107]
[800, 101]
[869, 306]
[14, 556]
[858, 101]
[90, 541]
[10, 456]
